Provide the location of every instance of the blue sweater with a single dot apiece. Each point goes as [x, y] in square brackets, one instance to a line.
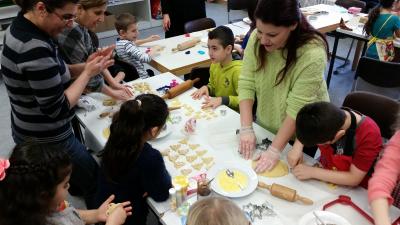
[147, 175]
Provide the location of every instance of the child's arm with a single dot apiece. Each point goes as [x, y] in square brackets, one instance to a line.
[134, 52]
[148, 39]
[380, 211]
[100, 215]
[295, 155]
[349, 178]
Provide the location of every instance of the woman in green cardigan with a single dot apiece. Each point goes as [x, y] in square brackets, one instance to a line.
[283, 68]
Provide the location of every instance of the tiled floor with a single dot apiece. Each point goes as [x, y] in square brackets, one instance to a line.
[340, 84]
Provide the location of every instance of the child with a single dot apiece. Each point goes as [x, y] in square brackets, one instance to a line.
[126, 46]
[76, 45]
[131, 168]
[224, 73]
[216, 211]
[384, 180]
[34, 184]
[349, 143]
[382, 25]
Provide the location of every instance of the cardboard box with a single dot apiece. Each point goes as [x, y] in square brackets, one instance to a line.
[107, 25]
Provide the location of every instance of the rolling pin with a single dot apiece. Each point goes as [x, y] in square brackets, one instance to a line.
[180, 88]
[187, 44]
[285, 193]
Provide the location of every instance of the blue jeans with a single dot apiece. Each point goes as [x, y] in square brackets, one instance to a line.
[83, 180]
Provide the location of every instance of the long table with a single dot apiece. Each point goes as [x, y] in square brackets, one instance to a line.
[217, 135]
[182, 62]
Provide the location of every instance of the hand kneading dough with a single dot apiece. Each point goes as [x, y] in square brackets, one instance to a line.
[281, 169]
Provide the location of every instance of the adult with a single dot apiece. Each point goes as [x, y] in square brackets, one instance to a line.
[37, 79]
[283, 68]
[176, 13]
[77, 44]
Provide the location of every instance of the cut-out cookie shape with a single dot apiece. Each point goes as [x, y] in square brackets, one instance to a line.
[186, 171]
[191, 158]
[197, 166]
[201, 152]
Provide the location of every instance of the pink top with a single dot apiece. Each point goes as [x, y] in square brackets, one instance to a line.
[387, 171]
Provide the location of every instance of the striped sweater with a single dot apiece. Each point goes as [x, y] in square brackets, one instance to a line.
[128, 52]
[35, 77]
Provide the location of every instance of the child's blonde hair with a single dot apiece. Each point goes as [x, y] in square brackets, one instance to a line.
[216, 211]
[123, 21]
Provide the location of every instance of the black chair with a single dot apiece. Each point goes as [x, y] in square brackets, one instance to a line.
[199, 24]
[381, 109]
[378, 76]
[130, 71]
[236, 5]
[347, 4]
[199, 72]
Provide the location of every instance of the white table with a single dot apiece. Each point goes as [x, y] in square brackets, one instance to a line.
[182, 62]
[218, 136]
[326, 22]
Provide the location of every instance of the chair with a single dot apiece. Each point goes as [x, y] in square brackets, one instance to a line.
[200, 72]
[378, 77]
[381, 109]
[236, 5]
[130, 71]
[199, 24]
[347, 4]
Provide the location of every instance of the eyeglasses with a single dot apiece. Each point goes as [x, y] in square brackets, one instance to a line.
[65, 17]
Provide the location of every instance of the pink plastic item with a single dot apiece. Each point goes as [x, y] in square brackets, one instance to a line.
[173, 83]
[190, 126]
[354, 10]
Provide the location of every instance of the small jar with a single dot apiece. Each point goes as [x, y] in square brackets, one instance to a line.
[203, 188]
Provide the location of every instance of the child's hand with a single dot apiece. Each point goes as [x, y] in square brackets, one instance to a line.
[119, 214]
[102, 210]
[303, 172]
[294, 157]
[199, 93]
[212, 102]
[153, 38]
[155, 50]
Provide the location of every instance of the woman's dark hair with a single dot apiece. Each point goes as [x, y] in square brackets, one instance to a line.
[286, 13]
[318, 122]
[51, 5]
[128, 128]
[374, 14]
[251, 7]
[30, 184]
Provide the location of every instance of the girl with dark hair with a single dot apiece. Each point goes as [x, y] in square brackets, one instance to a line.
[383, 187]
[283, 68]
[39, 86]
[34, 183]
[131, 168]
[381, 24]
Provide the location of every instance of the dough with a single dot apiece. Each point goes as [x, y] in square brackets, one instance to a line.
[106, 132]
[281, 169]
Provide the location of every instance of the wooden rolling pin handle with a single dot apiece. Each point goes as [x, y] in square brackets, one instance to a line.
[264, 185]
[304, 200]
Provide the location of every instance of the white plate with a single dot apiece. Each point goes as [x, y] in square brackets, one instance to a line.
[165, 132]
[251, 175]
[325, 216]
[247, 20]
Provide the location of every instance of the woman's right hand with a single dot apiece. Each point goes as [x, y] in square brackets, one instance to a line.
[247, 144]
[166, 22]
[99, 61]
[121, 94]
